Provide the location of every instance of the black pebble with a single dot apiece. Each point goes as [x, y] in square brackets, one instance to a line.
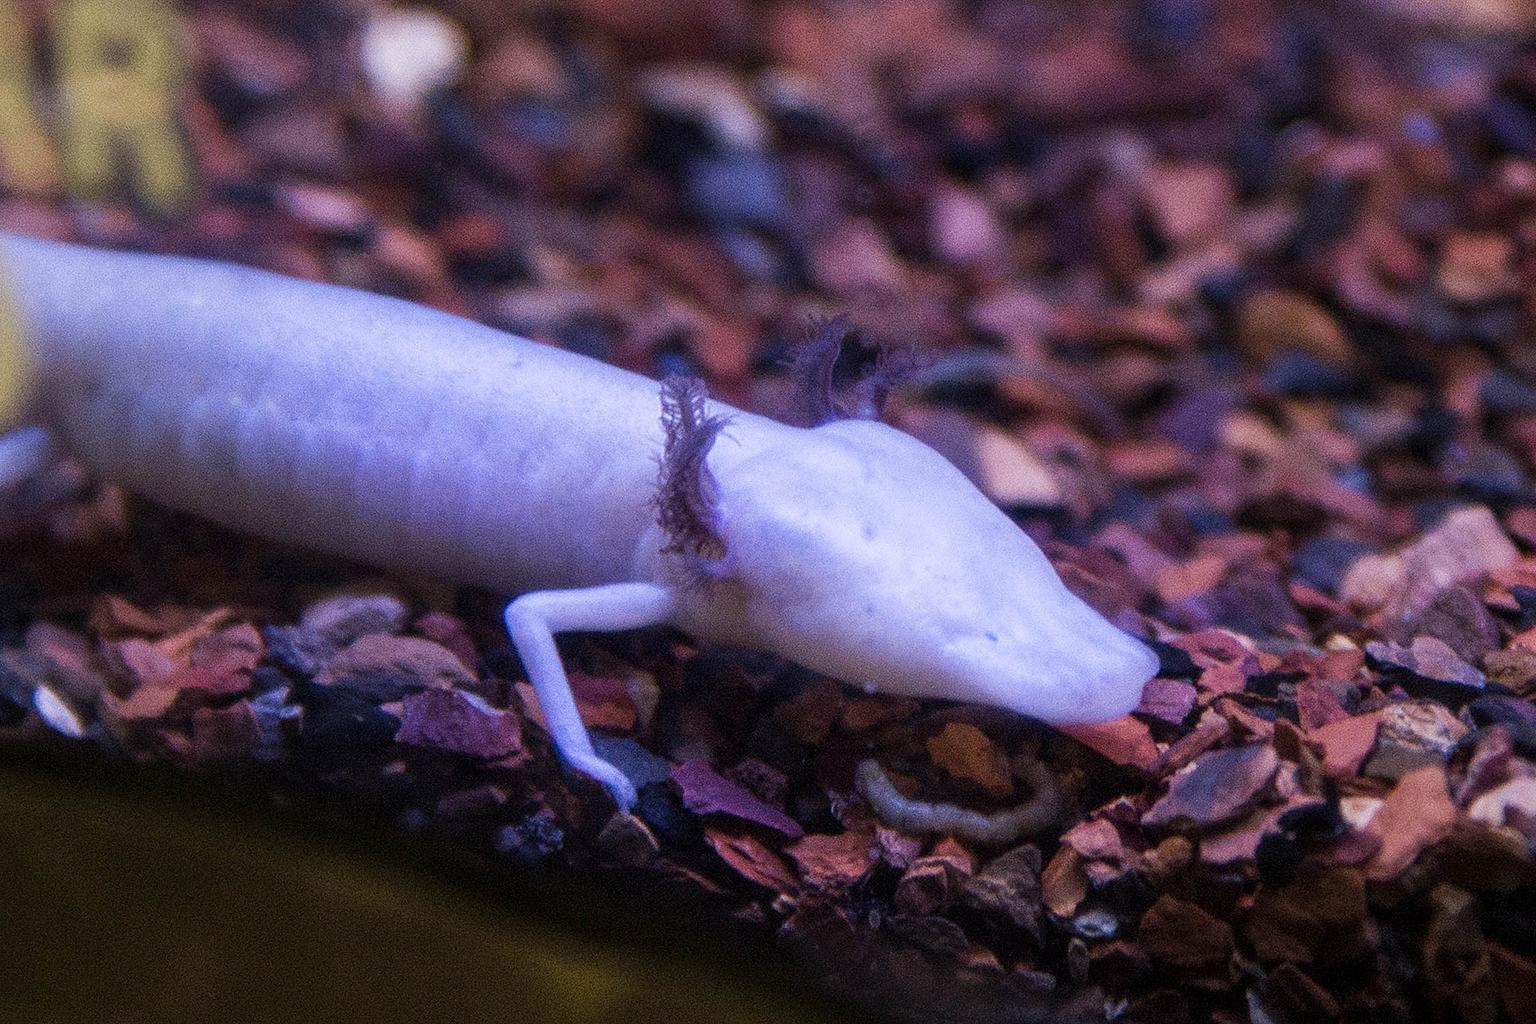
[1277, 858]
[339, 724]
[1323, 561]
[663, 810]
[1173, 662]
[536, 838]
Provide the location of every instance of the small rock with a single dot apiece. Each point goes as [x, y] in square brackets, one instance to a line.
[711, 97]
[1320, 916]
[855, 257]
[1124, 740]
[450, 632]
[752, 860]
[928, 886]
[1287, 993]
[1416, 814]
[64, 659]
[1011, 474]
[1185, 936]
[1467, 543]
[232, 650]
[409, 52]
[639, 765]
[1167, 700]
[223, 735]
[300, 652]
[343, 618]
[1460, 619]
[1097, 839]
[385, 668]
[1454, 959]
[277, 722]
[1476, 267]
[1412, 736]
[338, 726]
[628, 841]
[1009, 888]
[1503, 393]
[1274, 321]
[936, 934]
[141, 662]
[1373, 581]
[533, 840]
[963, 229]
[1494, 806]
[1217, 788]
[809, 715]
[1346, 743]
[967, 754]
[1428, 668]
[765, 781]
[1063, 883]
[737, 188]
[56, 713]
[1180, 580]
[834, 863]
[1515, 715]
[705, 791]
[459, 723]
[1147, 463]
[864, 713]
[1188, 201]
[1323, 561]
[1304, 375]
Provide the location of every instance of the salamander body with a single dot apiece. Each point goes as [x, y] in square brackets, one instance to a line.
[384, 431]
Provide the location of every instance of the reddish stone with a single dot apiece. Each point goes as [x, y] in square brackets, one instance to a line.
[459, 723]
[833, 862]
[1124, 740]
[1346, 742]
[752, 860]
[705, 791]
[1417, 813]
[1167, 700]
[1317, 704]
[1217, 788]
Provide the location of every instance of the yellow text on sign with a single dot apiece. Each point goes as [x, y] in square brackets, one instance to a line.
[119, 76]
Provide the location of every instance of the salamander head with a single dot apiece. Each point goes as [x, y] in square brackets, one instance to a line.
[862, 553]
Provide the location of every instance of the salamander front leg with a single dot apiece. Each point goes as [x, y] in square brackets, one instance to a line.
[532, 621]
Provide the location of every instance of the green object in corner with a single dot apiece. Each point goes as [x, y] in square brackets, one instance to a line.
[115, 906]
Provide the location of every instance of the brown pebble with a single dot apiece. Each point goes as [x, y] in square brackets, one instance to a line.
[1275, 321]
[1185, 936]
[968, 754]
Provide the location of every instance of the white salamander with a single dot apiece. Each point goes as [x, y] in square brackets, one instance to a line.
[398, 435]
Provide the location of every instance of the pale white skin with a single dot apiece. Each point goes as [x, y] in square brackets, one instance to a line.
[405, 437]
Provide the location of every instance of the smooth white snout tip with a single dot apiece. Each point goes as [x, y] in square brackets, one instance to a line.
[1103, 681]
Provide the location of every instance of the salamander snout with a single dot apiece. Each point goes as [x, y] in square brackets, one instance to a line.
[1075, 668]
[864, 554]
